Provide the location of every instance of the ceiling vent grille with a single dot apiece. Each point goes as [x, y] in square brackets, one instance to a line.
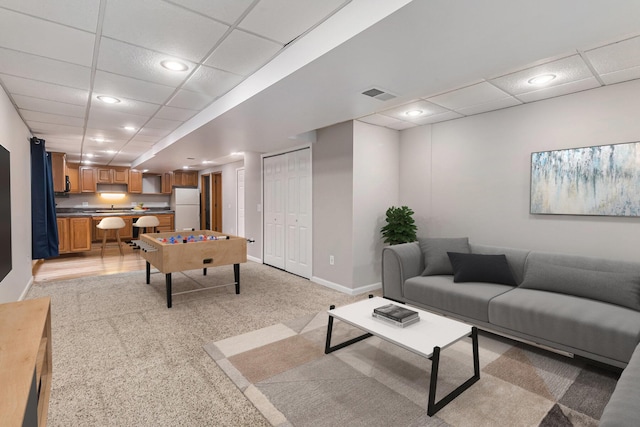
[378, 94]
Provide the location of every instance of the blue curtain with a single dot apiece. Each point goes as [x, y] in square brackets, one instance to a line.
[44, 228]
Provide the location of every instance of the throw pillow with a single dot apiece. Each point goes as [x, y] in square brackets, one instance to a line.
[435, 250]
[481, 268]
[614, 288]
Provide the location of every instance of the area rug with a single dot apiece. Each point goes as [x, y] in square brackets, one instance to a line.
[283, 371]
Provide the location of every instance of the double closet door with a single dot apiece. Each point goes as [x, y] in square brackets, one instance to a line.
[287, 211]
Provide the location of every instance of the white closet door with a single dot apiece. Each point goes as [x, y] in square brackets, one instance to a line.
[240, 202]
[298, 213]
[273, 178]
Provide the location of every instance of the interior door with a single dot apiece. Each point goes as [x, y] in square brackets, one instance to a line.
[240, 202]
[298, 215]
[205, 202]
[216, 201]
[273, 193]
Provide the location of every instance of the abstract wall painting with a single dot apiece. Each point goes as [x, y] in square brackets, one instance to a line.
[602, 180]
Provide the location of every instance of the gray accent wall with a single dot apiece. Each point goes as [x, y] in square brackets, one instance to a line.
[470, 176]
[253, 200]
[14, 136]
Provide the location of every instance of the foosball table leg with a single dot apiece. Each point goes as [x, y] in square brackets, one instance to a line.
[167, 279]
[204, 271]
[148, 273]
[236, 276]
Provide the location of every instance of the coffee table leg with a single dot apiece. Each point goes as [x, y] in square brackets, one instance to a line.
[327, 346]
[434, 406]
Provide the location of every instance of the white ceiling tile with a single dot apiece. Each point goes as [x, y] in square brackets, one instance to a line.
[173, 113]
[223, 10]
[125, 105]
[401, 125]
[104, 118]
[144, 139]
[127, 87]
[435, 118]
[158, 133]
[566, 70]
[426, 108]
[36, 89]
[480, 93]
[124, 158]
[616, 58]
[157, 123]
[190, 100]
[550, 92]
[621, 76]
[61, 131]
[285, 20]
[143, 64]
[63, 145]
[212, 81]
[243, 53]
[44, 69]
[489, 106]
[163, 27]
[379, 120]
[39, 37]
[46, 106]
[81, 14]
[57, 119]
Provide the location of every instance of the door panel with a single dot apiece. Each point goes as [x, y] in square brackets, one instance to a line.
[240, 202]
[273, 212]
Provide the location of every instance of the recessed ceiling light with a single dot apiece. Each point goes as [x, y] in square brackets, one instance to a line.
[413, 113]
[111, 151]
[89, 155]
[145, 170]
[185, 167]
[98, 139]
[237, 153]
[174, 65]
[108, 99]
[86, 162]
[541, 79]
[131, 128]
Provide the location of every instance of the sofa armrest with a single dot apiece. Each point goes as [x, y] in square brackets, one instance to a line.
[399, 263]
[623, 408]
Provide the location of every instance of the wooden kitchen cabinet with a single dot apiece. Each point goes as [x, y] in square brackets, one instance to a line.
[126, 233]
[135, 181]
[88, 181]
[63, 235]
[185, 178]
[58, 171]
[74, 234]
[74, 177]
[112, 175]
[167, 182]
[166, 223]
[26, 368]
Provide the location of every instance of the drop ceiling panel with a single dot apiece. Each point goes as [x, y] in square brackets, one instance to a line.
[36, 89]
[163, 27]
[480, 93]
[243, 53]
[211, 81]
[158, 133]
[401, 125]
[75, 13]
[157, 123]
[133, 61]
[127, 87]
[489, 106]
[125, 105]
[618, 61]
[435, 118]
[143, 139]
[426, 108]
[57, 119]
[108, 134]
[46, 106]
[190, 100]
[379, 120]
[62, 131]
[566, 70]
[173, 113]
[571, 87]
[44, 69]
[621, 76]
[43, 38]
[102, 118]
[223, 10]
[284, 20]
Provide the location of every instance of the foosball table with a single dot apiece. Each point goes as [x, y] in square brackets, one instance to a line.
[191, 250]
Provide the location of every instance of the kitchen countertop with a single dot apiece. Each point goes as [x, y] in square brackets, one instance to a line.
[115, 212]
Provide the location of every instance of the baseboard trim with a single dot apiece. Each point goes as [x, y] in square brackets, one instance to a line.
[254, 259]
[344, 289]
[26, 290]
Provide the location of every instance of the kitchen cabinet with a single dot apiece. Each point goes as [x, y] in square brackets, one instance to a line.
[126, 233]
[112, 175]
[166, 223]
[26, 368]
[135, 181]
[167, 182]
[74, 178]
[58, 171]
[185, 178]
[74, 234]
[88, 182]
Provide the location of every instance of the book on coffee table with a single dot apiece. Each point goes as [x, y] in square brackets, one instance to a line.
[395, 313]
[394, 322]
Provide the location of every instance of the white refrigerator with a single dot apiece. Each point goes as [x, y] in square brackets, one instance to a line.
[185, 202]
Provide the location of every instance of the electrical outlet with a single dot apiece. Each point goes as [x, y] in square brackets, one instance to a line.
[331, 260]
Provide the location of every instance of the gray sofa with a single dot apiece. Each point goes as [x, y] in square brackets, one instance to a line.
[586, 306]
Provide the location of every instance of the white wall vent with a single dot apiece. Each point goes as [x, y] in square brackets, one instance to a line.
[379, 94]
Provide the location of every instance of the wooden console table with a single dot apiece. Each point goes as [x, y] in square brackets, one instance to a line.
[25, 362]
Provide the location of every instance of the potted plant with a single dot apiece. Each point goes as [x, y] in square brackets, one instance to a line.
[401, 227]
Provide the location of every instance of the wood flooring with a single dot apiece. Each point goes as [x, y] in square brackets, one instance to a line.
[83, 264]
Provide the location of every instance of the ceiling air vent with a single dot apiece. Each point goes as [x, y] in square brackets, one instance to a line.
[378, 94]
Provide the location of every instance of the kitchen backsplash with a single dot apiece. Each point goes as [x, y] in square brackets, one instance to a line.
[95, 201]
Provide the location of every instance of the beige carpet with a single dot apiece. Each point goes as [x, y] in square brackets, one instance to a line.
[283, 371]
[121, 358]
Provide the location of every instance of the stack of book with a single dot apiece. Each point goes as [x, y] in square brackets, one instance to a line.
[399, 316]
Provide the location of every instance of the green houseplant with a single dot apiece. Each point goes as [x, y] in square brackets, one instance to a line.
[401, 227]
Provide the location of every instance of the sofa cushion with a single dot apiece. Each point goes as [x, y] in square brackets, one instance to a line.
[443, 294]
[615, 288]
[623, 408]
[604, 329]
[481, 268]
[435, 251]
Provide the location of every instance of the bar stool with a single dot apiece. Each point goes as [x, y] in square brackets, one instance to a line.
[111, 223]
[145, 222]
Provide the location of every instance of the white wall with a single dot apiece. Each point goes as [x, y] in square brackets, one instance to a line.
[14, 136]
[253, 204]
[229, 194]
[480, 172]
[376, 166]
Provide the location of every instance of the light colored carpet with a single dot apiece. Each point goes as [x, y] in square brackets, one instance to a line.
[121, 358]
[283, 370]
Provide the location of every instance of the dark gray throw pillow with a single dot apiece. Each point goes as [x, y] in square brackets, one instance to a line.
[435, 251]
[481, 268]
[615, 288]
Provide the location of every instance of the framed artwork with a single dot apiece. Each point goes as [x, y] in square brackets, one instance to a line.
[603, 180]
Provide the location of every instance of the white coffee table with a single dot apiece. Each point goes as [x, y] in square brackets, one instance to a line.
[426, 338]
